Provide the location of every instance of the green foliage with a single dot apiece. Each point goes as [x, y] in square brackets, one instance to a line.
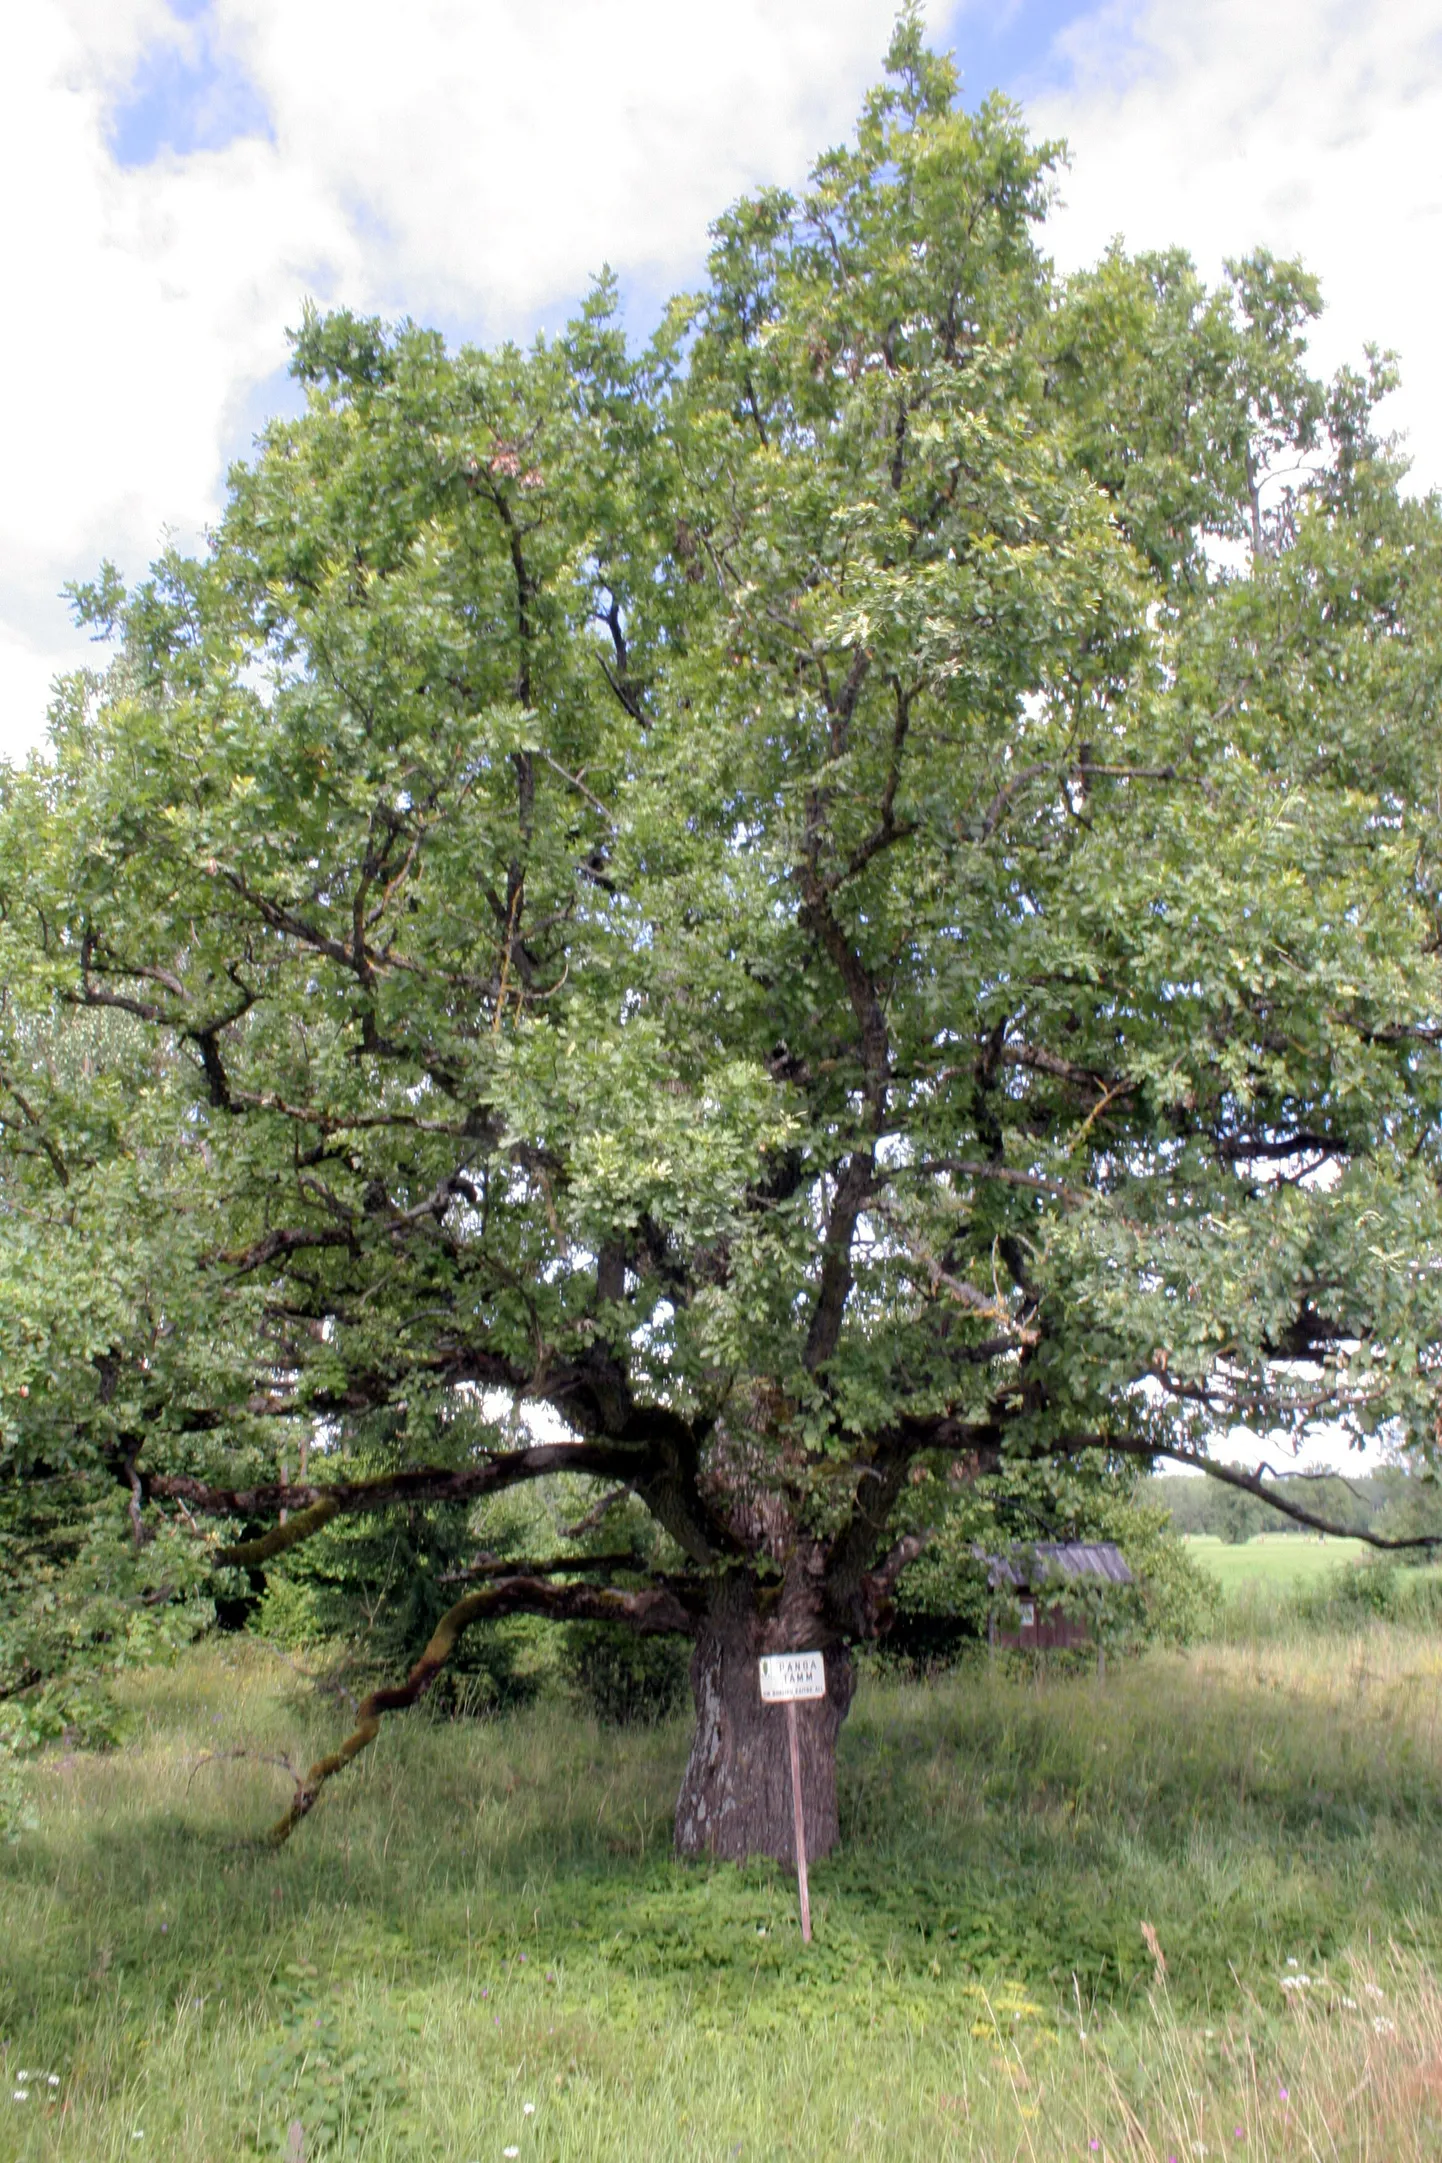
[1238, 1516]
[761, 897]
[79, 1603]
[621, 1678]
[1347, 1599]
[1410, 1505]
[944, 1601]
[1180, 1601]
[80, 1713]
[310, 2070]
[379, 1586]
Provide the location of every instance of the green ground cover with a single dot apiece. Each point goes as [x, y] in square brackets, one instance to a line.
[484, 1916]
[1282, 1559]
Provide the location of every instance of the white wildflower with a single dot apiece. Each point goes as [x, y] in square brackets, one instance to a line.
[510, 2151]
[1290, 1962]
[1351, 2004]
[22, 2095]
[53, 2080]
[528, 2110]
[1384, 2027]
[1372, 1991]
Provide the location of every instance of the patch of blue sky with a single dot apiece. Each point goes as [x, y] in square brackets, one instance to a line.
[187, 93]
[276, 397]
[1018, 45]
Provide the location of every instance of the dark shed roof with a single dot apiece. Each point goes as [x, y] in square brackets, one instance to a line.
[1028, 1567]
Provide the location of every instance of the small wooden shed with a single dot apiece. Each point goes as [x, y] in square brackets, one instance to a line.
[1031, 1577]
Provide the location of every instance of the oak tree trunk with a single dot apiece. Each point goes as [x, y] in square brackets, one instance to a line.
[735, 1798]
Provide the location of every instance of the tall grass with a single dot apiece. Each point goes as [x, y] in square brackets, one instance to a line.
[1335, 1600]
[483, 1916]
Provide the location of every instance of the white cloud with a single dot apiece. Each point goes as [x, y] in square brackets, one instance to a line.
[476, 159]
[506, 150]
[144, 303]
[1307, 126]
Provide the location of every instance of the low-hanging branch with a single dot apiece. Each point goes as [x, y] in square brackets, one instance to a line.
[983, 1443]
[312, 1506]
[1255, 1483]
[1251, 1483]
[656, 1611]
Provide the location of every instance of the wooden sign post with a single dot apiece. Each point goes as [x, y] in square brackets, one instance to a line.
[785, 1678]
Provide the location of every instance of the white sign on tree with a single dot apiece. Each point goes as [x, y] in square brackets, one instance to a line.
[787, 1677]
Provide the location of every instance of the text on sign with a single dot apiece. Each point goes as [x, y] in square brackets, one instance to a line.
[789, 1675]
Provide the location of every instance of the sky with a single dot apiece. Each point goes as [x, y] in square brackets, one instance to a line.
[180, 175]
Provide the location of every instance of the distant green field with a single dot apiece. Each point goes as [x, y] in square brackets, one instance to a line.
[1273, 1558]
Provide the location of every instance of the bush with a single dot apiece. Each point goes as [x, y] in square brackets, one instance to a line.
[944, 1599]
[372, 1589]
[78, 1711]
[625, 1680]
[1359, 1593]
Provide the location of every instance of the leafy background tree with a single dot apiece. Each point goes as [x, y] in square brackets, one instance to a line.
[769, 903]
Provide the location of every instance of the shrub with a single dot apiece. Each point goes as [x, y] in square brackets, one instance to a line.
[1370, 1592]
[373, 1589]
[944, 1599]
[76, 1710]
[625, 1680]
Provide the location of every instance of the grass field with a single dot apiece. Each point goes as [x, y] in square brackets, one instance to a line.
[480, 1947]
[1282, 1559]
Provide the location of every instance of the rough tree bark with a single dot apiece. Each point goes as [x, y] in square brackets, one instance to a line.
[735, 1798]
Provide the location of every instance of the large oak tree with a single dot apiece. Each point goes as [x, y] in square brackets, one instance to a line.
[840, 903]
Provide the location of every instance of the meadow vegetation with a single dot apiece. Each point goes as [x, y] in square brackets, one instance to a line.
[1192, 1910]
[1284, 1586]
[1282, 1560]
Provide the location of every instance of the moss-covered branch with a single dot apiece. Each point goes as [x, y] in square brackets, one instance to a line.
[310, 1505]
[654, 1612]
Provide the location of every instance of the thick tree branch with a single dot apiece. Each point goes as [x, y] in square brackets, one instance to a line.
[879, 1483]
[857, 1176]
[311, 1506]
[292, 1240]
[1255, 1483]
[50, 1149]
[655, 1611]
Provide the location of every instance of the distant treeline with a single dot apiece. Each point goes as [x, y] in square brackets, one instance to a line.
[1391, 1502]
